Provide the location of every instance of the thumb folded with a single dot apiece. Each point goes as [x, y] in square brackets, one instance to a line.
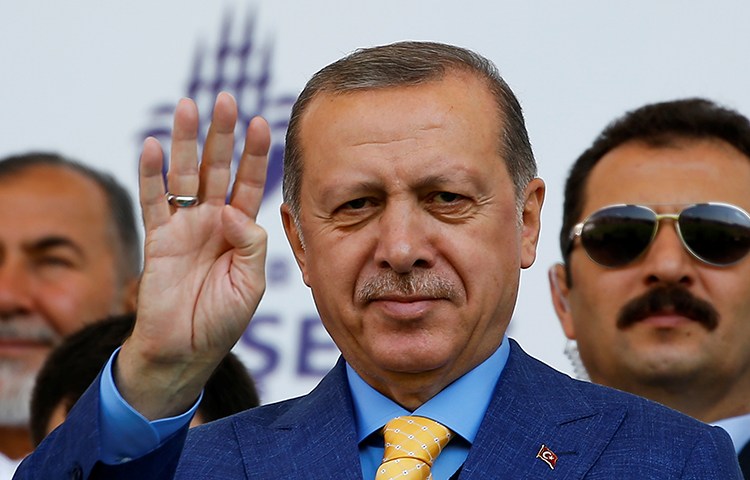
[247, 237]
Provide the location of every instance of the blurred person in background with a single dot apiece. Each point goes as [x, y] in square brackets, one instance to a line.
[70, 254]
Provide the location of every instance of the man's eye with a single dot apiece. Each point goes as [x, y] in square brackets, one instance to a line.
[49, 261]
[356, 204]
[447, 197]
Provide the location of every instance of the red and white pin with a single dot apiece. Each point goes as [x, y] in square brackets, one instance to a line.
[547, 456]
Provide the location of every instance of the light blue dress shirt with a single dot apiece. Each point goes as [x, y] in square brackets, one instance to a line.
[460, 407]
[126, 434]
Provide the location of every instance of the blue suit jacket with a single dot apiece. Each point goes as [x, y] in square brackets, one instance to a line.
[596, 433]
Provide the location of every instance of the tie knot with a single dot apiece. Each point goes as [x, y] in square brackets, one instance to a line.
[414, 438]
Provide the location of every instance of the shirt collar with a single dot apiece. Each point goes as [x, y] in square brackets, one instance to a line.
[473, 391]
[738, 428]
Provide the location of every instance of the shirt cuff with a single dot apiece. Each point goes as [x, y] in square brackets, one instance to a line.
[125, 433]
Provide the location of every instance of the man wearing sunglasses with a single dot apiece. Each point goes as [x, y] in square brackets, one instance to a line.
[655, 284]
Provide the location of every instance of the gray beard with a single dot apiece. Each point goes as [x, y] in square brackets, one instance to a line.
[17, 376]
[16, 387]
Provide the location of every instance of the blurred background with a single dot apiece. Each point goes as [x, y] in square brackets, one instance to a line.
[90, 79]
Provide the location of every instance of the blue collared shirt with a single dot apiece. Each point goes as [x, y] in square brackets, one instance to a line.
[125, 433]
[472, 391]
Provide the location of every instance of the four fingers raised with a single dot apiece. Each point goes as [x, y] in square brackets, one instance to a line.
[210, 178]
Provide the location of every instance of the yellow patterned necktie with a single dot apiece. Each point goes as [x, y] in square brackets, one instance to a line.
[411, 446]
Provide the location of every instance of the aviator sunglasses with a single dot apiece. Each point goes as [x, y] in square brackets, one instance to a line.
[715, 233]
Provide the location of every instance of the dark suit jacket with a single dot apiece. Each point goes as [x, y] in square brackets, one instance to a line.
[596, 432]
[745, 460]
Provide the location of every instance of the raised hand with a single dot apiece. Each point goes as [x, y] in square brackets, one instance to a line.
[204, 271]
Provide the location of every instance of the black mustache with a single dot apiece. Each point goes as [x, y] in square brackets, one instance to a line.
[417, 282]
[668, 298]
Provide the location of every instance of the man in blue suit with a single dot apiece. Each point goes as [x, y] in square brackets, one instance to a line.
[411, 203]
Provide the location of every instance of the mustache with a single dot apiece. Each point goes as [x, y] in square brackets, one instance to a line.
[422, 283]
[669, 298]
[31, 328]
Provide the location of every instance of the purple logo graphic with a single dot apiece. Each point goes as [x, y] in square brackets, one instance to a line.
[241, 67]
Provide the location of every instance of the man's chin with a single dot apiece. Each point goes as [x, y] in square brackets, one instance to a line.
[412, 363]
[667, 367]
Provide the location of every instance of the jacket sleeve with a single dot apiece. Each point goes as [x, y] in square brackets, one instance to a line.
[72, 451]
[712, 457]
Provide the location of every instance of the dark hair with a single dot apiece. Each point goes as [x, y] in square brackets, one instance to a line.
[119, 202]
[74, 364]
[658, 125]
[408, 64]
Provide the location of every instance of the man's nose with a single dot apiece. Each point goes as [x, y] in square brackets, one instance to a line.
[404, 238]
[667, 259]
[15, 288]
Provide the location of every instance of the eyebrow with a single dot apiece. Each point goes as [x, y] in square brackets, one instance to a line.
[435, 180]
[54, 241]
[428, 181]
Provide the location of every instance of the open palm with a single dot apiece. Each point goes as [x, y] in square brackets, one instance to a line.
[204, 271]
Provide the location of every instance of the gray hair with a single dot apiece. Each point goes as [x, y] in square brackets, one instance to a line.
[408, 64]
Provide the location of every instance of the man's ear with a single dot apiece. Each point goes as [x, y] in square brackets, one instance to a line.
[532, 221]
[295, 239]
[558, 285]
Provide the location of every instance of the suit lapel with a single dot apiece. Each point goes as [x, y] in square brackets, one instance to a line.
[534, 406]
[317, 431]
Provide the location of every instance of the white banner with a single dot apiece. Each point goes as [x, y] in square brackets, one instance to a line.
[90, 79]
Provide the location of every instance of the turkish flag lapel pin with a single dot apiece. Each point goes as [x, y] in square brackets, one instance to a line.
[547, 456]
